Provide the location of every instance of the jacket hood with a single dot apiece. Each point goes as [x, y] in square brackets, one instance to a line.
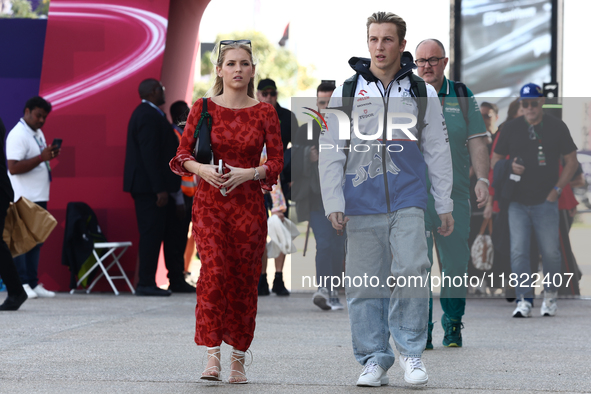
[361, 65]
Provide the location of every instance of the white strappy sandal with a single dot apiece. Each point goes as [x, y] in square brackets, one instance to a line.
[240, 357]
[213, 372]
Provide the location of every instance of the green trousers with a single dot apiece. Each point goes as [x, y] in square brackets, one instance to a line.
[454, 255]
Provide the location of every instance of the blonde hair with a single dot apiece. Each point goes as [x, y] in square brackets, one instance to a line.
[388, 17]
[218, 86]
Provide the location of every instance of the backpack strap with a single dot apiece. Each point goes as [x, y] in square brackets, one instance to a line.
[462, 94]
[418, 89]
[348, 96]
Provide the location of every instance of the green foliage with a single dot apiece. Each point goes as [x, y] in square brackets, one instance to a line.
[22, 9]
[43, 8]
[272, 62]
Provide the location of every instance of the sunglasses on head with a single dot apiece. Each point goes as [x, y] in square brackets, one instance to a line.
[271, 93]
[526, 104]
[231, 42]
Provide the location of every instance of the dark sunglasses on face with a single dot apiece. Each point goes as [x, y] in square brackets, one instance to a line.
[322, 102]
[271, 93]
[230, 42]
[526, 104]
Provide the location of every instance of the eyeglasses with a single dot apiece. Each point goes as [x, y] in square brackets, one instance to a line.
[322, 102]
[433, 61]
[230, 42]
[533, 103]
[271, 93]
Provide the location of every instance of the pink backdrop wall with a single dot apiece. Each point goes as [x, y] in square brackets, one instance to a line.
[96, 54]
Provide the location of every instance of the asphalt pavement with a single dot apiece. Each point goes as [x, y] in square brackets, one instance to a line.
[102, 343]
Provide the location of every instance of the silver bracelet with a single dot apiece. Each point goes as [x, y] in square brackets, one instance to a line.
[256, 174]
[485, 181]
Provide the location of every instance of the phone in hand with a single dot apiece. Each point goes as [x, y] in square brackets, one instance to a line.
[221, 172]
[57, 143]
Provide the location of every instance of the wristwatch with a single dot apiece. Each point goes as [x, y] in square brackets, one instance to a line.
[558, 190]
[485, 181]
[256, 175]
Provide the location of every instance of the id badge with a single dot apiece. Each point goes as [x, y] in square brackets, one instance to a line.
[541, 157]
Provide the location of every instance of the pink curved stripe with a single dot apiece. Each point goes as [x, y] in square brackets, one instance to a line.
[147, 51]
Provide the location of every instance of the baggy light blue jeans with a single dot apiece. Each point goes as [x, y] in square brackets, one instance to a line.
[378, 247]
[543, 220]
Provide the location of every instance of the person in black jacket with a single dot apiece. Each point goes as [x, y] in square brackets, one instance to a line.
[151, 143]
[16, 293]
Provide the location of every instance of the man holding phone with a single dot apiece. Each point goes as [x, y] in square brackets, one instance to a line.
[536, 142]
[28, 160]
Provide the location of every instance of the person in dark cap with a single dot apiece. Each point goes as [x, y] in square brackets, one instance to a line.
[535, 143]
[267, 93]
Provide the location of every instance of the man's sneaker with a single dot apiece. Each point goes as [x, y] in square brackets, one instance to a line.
[414, 370]
[30, 292]
[452, 336]
[523, 309]
[429, 345]
[373, 375]
[321, 299]
[43, 292]
[549, 306]
[335, 303]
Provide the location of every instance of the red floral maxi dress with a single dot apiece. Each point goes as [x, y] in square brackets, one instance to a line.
[231, 231]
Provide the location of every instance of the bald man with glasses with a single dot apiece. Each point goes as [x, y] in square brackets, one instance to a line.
[468, 145]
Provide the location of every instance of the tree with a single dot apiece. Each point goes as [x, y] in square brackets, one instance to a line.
[272, 61]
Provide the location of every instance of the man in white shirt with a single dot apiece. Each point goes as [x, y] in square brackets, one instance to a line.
[28, 158]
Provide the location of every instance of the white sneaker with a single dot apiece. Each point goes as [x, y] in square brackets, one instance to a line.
[43, 292]
[523, 309]
[335, 303]
[373, 375]
[30, 292]
[549, 306]
[414, 370]
[321, 299]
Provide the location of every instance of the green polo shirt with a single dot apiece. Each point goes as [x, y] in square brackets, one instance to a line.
[459, 134]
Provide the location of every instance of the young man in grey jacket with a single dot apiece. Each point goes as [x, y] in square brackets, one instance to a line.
[373, 180]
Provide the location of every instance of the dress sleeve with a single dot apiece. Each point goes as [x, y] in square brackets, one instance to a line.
[274, 163]
[187, 145]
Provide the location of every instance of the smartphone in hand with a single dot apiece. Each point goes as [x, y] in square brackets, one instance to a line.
[221, 172]
[57, 143]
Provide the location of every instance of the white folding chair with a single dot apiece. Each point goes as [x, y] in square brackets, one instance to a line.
[101, 261]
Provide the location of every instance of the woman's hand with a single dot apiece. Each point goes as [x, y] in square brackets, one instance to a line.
[236, 177]
[209, 173]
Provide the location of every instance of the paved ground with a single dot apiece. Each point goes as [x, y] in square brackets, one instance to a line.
[100, 343]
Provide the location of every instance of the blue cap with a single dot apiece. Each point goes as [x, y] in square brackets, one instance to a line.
[531, 90]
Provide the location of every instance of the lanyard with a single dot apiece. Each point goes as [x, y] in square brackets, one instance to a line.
[41, 147]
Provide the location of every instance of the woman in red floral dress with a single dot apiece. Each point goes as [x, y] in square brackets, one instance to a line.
[231, 231]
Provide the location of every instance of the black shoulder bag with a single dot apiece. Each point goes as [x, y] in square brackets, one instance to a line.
[203, 153]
